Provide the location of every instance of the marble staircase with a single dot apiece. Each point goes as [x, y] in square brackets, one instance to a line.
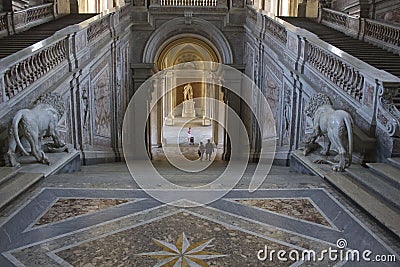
[375, 187]
[16, 180]
[17, 42]
[13, 183]
[369, 53]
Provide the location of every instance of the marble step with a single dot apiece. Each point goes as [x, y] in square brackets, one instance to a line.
[380, 209]
[375, 184]
[395, 162]
[6, 173]
[16, 186]
[376, 207]
[390, 173]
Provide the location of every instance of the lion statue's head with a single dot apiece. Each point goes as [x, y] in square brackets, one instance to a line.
[54, 100]
[315, 102]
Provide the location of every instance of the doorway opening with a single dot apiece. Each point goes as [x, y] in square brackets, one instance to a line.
[184, 116]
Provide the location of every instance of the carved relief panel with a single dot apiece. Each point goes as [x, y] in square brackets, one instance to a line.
[287, 115]
[249, 61]
[306, 123]
[65, 123]
[102, 104]
[271, 91]
[85, 98]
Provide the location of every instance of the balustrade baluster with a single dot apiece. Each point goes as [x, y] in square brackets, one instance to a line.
[342, 77]
[20, 81]
[336, 70]
[25, 73]
[7, 84]
[350, 82]
[32, 68]
[14, 79]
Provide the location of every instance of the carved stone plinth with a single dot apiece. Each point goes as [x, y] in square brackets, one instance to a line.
[188, 110]
[206, 121]
[169, 121]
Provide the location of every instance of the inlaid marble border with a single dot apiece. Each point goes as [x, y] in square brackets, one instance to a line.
[17, 233]
[32, 227]
[332, 225]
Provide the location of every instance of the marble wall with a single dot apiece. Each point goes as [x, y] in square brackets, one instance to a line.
[93, 79]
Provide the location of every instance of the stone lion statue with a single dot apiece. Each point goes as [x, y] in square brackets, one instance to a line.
[337, 125]
[34, 124]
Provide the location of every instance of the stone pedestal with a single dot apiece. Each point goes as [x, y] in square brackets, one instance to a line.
[188, 110]
[169, 121]
[206, 121]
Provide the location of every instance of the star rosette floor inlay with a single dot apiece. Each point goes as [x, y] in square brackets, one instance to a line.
[145, 232]
[183, 254]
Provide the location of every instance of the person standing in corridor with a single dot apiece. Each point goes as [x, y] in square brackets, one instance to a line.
[209, 149]
[201, 150]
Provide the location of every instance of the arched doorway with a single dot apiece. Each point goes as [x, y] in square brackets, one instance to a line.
[177, 118]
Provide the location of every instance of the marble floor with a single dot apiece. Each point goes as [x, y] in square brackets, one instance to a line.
[100, 217]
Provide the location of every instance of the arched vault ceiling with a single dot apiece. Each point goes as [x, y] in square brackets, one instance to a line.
[185, 50]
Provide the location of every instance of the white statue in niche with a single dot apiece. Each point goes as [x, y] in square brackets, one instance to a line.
[188, 110]
[187, 92]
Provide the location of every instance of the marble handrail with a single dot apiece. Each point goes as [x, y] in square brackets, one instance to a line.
[336, 17]
[13, 22]
[97, 28]
[343, 74]
[383, 32]
[22, 74]
[204, 4]
[380, 33]
[3, 22]
[125, 12]
[276, 29]
[23, 68]
[33, 15]
[207, 3]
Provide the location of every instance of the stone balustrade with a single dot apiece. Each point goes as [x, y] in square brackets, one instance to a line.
[13, 22]
[372, 94]
[343, 74]
[252, 14]
[20, 71]
[39, 12]
[276, 29]
[3, 23]
[188, 3]
[175, 5]
[27, 71]
[382, 32]
[98, 28]
[376, 32]
[335, 17]
[125, 12]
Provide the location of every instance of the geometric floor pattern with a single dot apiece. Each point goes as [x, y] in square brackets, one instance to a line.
[137, 230]
[65, 208]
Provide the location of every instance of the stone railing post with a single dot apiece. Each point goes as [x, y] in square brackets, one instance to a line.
[2, 88]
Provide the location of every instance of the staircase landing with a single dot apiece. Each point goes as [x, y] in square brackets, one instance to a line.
[15, 181]
[375, 188]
